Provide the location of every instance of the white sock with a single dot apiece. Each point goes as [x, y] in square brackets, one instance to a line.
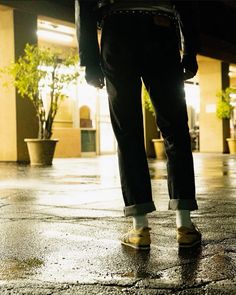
[183, 218]
[140, 221]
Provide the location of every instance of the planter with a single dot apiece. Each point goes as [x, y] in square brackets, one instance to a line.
[41, 151]
[159, 148]
[231, 145]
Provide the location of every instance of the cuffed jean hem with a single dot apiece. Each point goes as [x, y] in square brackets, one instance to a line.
[139, 209]
[183, 204]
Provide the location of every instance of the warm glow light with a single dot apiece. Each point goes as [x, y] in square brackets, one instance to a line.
[54, 36]
[232, 95]
[51, 26]
[192, 92]
[232, 71]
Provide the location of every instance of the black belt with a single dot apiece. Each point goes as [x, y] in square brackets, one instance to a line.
[163, 16]
[135, 5]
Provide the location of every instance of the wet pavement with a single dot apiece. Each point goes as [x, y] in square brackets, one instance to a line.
[60, 229]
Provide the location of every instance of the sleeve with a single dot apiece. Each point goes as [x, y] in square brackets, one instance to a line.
[188, 13]
[86, 26]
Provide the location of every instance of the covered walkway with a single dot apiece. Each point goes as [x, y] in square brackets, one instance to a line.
[60, 229]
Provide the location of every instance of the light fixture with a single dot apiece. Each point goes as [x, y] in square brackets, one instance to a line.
[54, 36]
[54, 32]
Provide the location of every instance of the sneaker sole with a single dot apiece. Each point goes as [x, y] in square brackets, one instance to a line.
[190, 245]
[146, 248]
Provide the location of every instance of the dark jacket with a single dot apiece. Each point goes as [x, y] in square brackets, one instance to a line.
[87, 16]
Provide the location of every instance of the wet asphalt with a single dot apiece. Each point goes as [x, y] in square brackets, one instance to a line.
[60, 228]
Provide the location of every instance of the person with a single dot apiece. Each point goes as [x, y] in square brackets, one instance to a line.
[141, 41]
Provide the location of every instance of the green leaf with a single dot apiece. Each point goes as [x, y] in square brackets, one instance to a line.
[38, 68]
[226, 99]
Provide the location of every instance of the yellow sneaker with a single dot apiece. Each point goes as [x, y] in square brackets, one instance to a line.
[137, 239]
[188, 237]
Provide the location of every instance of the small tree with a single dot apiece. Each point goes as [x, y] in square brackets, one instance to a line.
[147, 101]
[42, 68]
[225, 106]
[149, 106]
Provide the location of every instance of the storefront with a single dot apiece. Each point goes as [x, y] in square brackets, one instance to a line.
[82, 124]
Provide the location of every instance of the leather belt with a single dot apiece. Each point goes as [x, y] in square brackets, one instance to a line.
[162, 17]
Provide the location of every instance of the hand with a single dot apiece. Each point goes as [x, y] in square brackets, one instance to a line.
[94, 76]
[190, 66]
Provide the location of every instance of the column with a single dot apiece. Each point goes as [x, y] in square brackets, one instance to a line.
[211, 128]
[17, 115]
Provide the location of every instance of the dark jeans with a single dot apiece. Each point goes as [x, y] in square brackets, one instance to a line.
[134, 48]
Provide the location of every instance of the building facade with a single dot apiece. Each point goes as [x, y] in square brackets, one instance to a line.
[82, 124]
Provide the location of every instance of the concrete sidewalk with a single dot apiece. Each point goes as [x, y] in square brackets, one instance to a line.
[60, 229]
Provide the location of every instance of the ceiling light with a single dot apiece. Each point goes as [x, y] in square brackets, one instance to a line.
[54, 36]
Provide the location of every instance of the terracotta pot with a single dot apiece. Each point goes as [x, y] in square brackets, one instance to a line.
[159, 148]
[41, 151]
[231, 145]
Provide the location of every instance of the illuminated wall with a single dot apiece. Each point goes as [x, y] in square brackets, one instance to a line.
[211, 128]
[17, 116]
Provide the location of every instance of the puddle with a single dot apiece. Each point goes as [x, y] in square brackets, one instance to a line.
[14, 268]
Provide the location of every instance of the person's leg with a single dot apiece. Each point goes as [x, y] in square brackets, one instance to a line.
[163, 78]
[124, 91]
[123, 84]
[126, 118]
[164, 82]
[172, 121]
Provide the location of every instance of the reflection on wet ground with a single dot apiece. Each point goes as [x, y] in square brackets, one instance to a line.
[15, 269]
[61, 225]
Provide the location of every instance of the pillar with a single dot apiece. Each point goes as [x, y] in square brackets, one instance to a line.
[211, 128]
[226, 122]
[17, 115]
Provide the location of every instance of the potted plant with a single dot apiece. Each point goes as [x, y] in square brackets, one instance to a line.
[158, 142]
[225, 110]
[36, 70]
